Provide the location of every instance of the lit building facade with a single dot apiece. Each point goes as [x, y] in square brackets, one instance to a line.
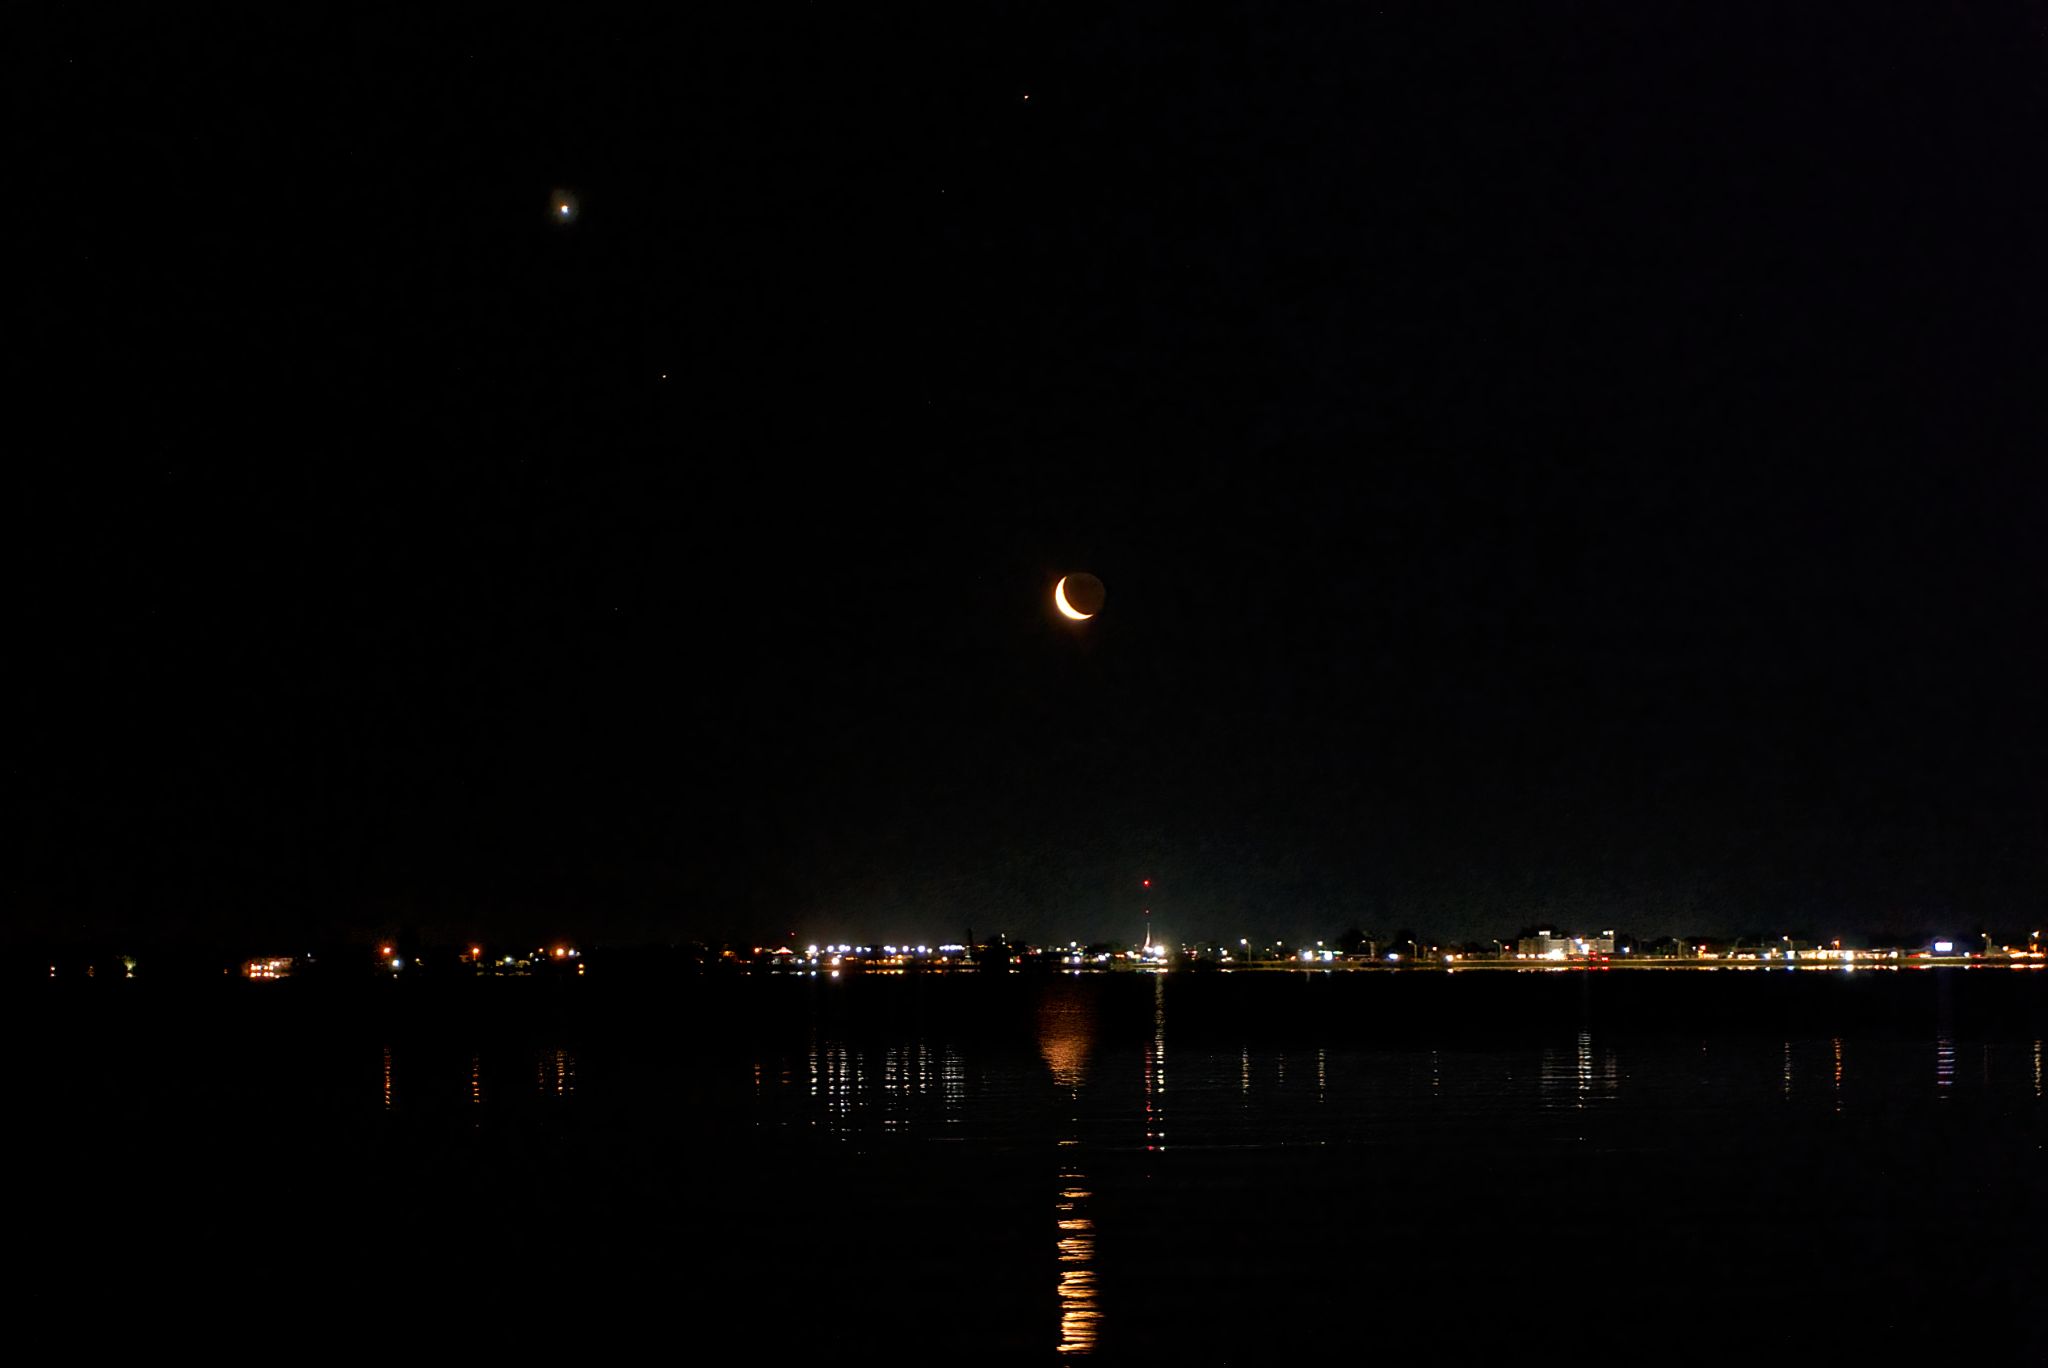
[1548, 945]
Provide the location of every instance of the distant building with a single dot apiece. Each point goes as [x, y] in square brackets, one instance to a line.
[1548, 945]
[268, 967]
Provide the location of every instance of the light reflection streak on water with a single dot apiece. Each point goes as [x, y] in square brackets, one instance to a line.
[1155, 1070]
[2037, 1068]
[557, 1073]
[1066, 1037]
[1244, 1085]
[1944, 1063]
[850, 1090]
[1080, 1317]
[838, 1086]
[1838, 1073]
[387, 1078]
[895, 1087]
[1585, 1077]
[1786, 1091]
[952, 1086]
[476, 1080]
[831, 1083]
[1322, 1075]
[913, 1081]
[1549, 1072]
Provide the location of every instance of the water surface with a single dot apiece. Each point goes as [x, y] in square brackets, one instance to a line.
[1130, 1168]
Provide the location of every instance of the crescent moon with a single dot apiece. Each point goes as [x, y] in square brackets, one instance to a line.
[1059, 598]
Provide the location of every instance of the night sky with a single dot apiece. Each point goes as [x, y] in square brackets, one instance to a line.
[1567, 462]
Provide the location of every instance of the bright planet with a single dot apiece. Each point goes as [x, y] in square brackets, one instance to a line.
[1078, 596]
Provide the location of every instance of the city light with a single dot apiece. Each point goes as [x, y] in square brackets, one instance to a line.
[1541, 951]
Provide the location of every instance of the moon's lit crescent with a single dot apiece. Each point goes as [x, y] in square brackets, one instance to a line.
[1059, 598]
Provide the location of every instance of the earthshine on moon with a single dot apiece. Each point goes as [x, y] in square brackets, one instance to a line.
[1078, 596]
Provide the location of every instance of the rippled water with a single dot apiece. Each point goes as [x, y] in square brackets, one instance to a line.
[1136, 1168]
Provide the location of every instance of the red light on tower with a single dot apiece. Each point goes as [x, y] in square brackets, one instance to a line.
[1146, 882]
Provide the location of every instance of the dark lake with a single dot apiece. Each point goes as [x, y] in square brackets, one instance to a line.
[1246, 1168]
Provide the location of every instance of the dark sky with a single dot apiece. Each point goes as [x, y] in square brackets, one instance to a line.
[1575, 462]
